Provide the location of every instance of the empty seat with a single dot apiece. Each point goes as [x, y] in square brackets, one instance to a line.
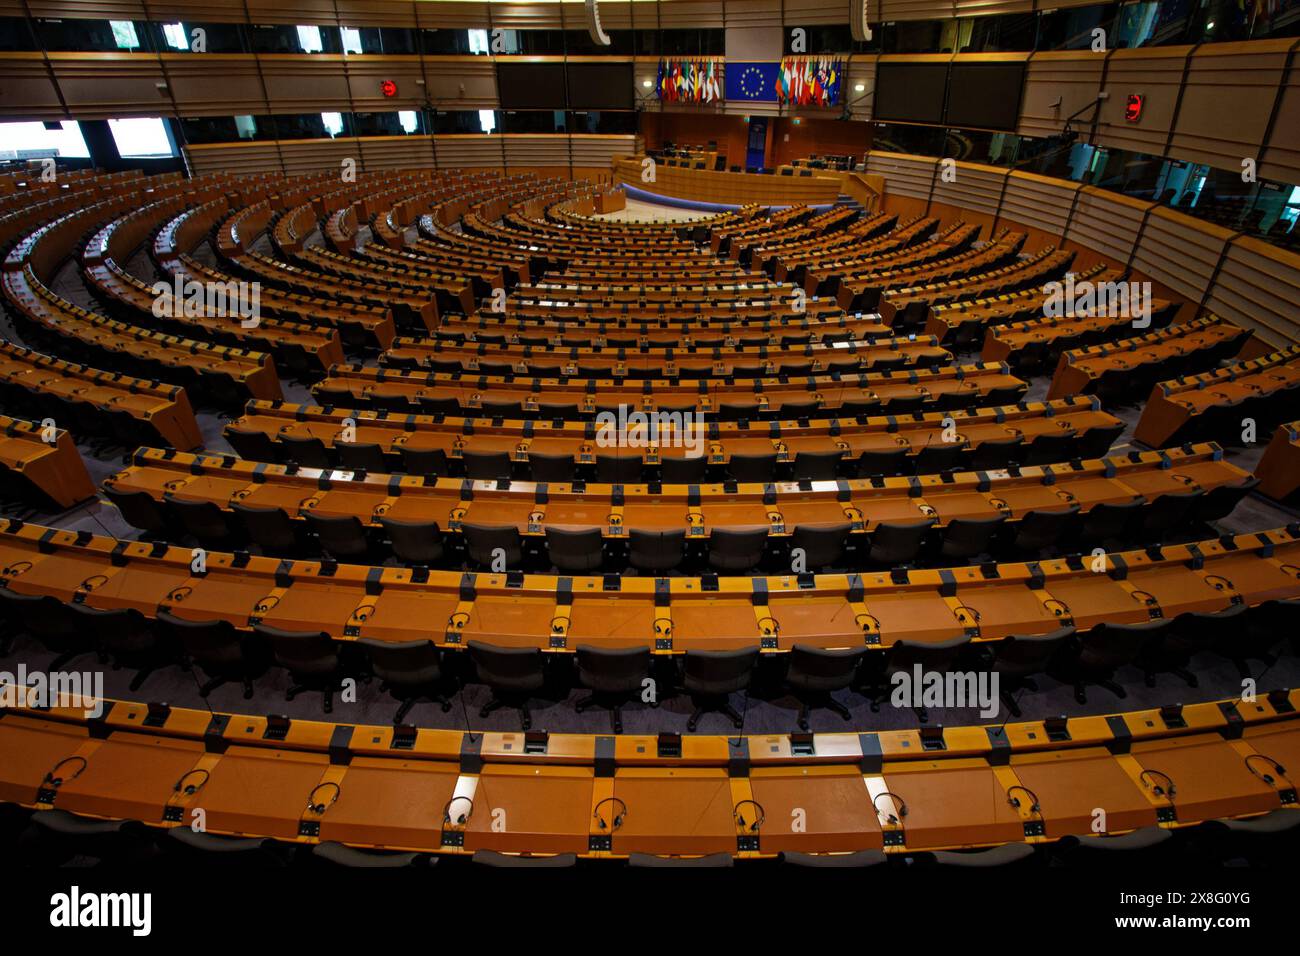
[269, 528]
[361, 456]
[312, 659]
[710, 676]
[1038, 529]
[410, 670]
[125, 635]
[991, 455]
[731, 550]
[1110, 521]
[342, 537]
[205, 521]
[819, 546]
[1105, 649]
[752, 468]
[883, 463]
[497, 547]
[1017, 659]
[895, 543]
[965, 538]
[936, 459]
[513, 674]
[1052, 448]
[814, 673]
[423, 461]
[684, 470]
[139, 509]
[1168, 513]
[414, 542]
[1219, 502]
[903, 657]
[221, 652]
[655, 551]
[490, 465]
[613, 675]
[557, 468]
[253, 445]
[304, 451]
[618, 469]
[575, 551]
[817, 465]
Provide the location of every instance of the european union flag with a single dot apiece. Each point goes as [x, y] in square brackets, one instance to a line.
[752, 81]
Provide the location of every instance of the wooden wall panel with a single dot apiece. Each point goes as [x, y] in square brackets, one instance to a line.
[861, 72]
[1107, 223]
[376, 13]
[812, 12]
[240, 158]
[461, 83]
[1154, 72]
[1073, 77]
[298, 84]
[365, 74]
[1280, 157]
[531, 16]
[594, 150]
[467, 151]
[905, 175]
[292, 11]
[976, 189]
[1180, 251]
[26, 91]
[1227, 101]
[685, 14]
[107, 85]
[1258, 288]
[239, 90]
[452, 15]
[1037, 203]
[395, 152]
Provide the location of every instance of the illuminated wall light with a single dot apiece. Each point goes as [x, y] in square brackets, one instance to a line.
[859, 88]
[647, 83]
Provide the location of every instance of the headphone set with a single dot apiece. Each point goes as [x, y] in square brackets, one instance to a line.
[460, 820]
[1158, 790]
[902, 806]
[618, 817]
[54, 781]
[1266, 777]
[319, 808]
[189, 788]
[740, 819]
[1015, 801]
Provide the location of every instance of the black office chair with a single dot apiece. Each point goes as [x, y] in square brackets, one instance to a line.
[576, 551]
[814, 673]
[883, 463]
[140, 510]
[1219, 502]
[1192, 633]
[312, 659]
[1008, 854]
[684, 470]
[269, 528]
[821, 546]
[423, 461]
[1018, 658]
[497, 547]
[839, 861]
[713, 861]
[52, 622]
[126, 637]
[1096, 442]
[613, 675]
[55, 837]
[1267, 626]
[411, 671]
[618, 469]
[1144, 847]
[936, 459]
[487, 465]
[966, 538]
[903, 657]
[1105, 649]
[215, 850]
[655, 551]
[221, 652]
[1169, 513]
[897, 543]
[331, 854]
[304, 451]
[342, 537]
[551, 468]
[1040, 529]
[817, 465]
[736, 550]
[1052, 448]
[361, 456]
[253, 445]
[752, 468]
[417, 543]
[1109, 522]
[205, 521]
[710, 676]
[513, 674]
[996, 453]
